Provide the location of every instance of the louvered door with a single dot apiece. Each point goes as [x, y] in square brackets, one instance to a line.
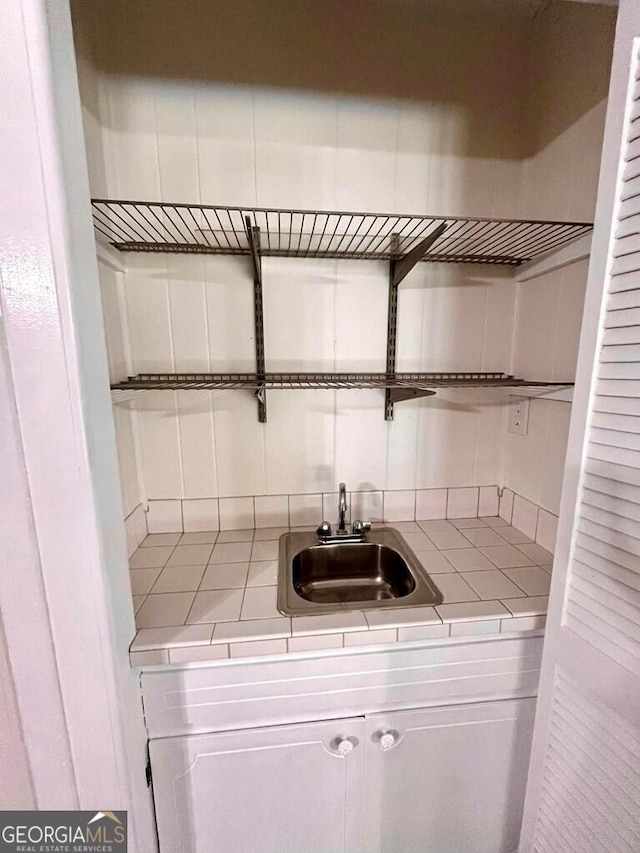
[583, 792]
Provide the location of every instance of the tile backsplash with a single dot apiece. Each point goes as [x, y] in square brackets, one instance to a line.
[308, 510]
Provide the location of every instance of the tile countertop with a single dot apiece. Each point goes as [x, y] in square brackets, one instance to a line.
[211, 596]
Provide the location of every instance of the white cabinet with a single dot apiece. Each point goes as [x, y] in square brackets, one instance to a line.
[448, 780]
[445, 780]
[288, 788]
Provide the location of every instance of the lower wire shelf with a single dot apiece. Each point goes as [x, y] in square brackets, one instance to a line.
[400, 386]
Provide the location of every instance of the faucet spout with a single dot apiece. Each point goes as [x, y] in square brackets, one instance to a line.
[342, 507]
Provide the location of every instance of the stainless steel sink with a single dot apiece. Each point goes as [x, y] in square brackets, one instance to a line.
[381, 571]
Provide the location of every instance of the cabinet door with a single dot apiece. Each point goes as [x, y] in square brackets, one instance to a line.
[447, 780]
[287, 788]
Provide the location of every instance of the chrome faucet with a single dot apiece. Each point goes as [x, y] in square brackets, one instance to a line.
[358, 531]
[342, 507]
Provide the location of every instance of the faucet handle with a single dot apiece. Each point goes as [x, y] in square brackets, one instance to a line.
[324, 529]
[361, 526]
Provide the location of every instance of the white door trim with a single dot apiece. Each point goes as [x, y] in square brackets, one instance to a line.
[64, 590]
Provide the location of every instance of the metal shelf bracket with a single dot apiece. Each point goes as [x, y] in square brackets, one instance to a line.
[253, 236]
[399, 267]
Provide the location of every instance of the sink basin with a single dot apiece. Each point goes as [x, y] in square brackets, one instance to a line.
[382, 571]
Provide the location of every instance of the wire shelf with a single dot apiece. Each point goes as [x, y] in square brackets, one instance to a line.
[252, 381]
[139, 226]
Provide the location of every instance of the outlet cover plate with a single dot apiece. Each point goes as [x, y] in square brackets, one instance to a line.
[519, 415]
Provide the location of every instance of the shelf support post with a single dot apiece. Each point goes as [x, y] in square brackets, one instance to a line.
[399, 267]
[253, 236]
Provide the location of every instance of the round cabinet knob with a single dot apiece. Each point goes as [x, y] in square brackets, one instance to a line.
[387, 740]
[344, 746]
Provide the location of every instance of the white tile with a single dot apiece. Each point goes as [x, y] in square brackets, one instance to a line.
[488, 502]
[231, 552]
[142, 580]
[179, 579]
[523, 623]
[483, 536]
[203, 537]
[271, 511]
[406, 527]
[165, 517]
[252, 629]
[418, 541]
[315, 644]
[506, 505]
[532, 579]
[200, 515]
[137, 602]
[260, 647]
[493, 520]
[472, 610]
[506, 556]
[370, 638]
[235, 536]
[434, 562]
[331, 623]
[538, 554]
[164, 609]
[199, 653]
[513, 536]
[492, 584]
[366, 506]
[525, 516]
[267, 550]
[470, 629]
[462, 503]
[225, 576]
[150, 558]
[149, 658]
[236, 513]
[446, 539]
[435, 524]
[399, 506]
[401, 617]
[155, 539]
[263, 574]
[260, 603]
[140, 523]
[454, 588]
[423, 632]
[177, 635]
[532, 605]
[305, 510]
[222, 605]
[131, 535]
[467, 523]
[431, 504]
[467, 560]
[269, 533]
[547, 530]
[190, 555]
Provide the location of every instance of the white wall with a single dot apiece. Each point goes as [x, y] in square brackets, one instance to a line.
[569, 61]
[355, 107]
[111, 291]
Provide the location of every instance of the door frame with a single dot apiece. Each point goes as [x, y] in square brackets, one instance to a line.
[65, 599]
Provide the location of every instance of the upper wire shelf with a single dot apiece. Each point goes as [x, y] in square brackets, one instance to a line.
[141, 226]
[254, 381]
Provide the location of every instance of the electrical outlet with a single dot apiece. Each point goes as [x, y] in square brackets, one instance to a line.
[519, 415]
